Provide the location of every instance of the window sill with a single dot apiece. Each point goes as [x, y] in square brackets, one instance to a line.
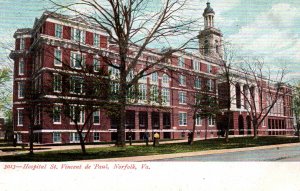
[56, 123]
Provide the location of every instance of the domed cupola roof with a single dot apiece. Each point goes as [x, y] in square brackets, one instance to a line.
[208, 9]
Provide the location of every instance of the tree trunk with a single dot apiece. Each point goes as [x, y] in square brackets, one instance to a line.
[82, 143]
[255, 128]
[227, 127]
[206, 124]
[193, 131]
[31, 140]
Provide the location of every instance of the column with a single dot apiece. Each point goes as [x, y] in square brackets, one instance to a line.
[137, 124]
[149, 125]
[161, 125]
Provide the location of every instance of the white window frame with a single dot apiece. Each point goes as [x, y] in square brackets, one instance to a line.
[182, 119]
[209, 68]
[96, 42]
[182, 80]
[73, 84]
[21, 66]
[198, 120]
[57, 60]
[81, 115]
[181, 63]
[154, 94]
[59, 30]
[74, 137]
[22, 43]
[57, 83]
[74, 59]
[98, 135]
[166, 95]
[80, 37]
[182, 97]
[59, 110]
[211, 121]
[20, 115]
[96, 64]
[98, 115]
[196, 65]
[197, 81]
[142, 92]
[154, 77]
[210, 84]
[56, 137]
[165, 79]
[21, 89]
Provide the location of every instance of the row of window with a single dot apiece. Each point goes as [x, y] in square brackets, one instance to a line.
[77, 35]
[74, 137]
[77, 114]
[195, 64]
[183, 120]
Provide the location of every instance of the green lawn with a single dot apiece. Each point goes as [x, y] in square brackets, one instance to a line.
[112, 152]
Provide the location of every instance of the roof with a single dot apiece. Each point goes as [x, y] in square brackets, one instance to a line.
[208, 9]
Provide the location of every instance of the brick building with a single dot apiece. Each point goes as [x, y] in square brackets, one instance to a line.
[163, 103]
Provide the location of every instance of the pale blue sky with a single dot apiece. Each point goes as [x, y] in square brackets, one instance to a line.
[267, 28]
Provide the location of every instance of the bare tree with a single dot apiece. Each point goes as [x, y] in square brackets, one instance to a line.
[261, 91]
[133, 28]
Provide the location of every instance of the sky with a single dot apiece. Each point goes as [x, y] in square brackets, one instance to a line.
[269, 29]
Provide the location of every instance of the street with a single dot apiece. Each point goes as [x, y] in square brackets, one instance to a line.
[284, 154]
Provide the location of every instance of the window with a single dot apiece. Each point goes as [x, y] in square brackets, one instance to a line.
[143, 92]
[198, 120]
[182, 119]
[57, 83]
[21, 67]
[181, 62]
[129, 76]
[57, 57]
[209, 68]
[78, 35]
[198, 83]
[115, 87]
[211, 121]
[154, 93]
[165, 95]
[57, 114]
[77, 114]
[182, 97]
[76, 84]
[37, 115]
[96, 40]
[165, 79]
[96, 117]
[96, 136]
[56, 137]
[114, 73]
[22, 43]
[58, 30]
[210, 84]
[74, 137]
[182, 80]
[77, 60]
[21, 92]
[196, 65]
[96, 64]
[20, 117]
[144, 77]
[154, 77]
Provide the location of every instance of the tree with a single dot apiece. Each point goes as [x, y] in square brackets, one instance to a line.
[260, 91]
[133, 28]
[226, 61]
[296, 107]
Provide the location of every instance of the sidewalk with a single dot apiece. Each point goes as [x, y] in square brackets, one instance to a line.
[189, 154]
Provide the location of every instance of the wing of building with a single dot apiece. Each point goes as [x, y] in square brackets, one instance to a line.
[46, 73]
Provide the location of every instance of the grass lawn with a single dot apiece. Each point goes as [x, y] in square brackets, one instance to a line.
[112, 152]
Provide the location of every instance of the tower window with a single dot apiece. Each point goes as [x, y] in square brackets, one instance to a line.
[206, 47]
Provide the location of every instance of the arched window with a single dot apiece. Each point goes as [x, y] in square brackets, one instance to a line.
[165, 79]
[206, 47]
